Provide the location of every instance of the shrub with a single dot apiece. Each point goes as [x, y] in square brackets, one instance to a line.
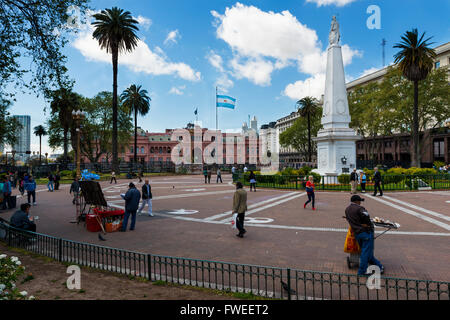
[10, 270]
[344, 178]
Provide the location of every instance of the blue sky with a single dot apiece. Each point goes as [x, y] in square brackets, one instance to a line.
[266, 54]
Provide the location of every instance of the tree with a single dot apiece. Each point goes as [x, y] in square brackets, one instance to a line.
[97, 128]
[63, 102]
[36, 30]
[9, 126]
[307, 108]
[40, 131]
[296, 136]
[415, 61]
[138, 102]
[115, 32]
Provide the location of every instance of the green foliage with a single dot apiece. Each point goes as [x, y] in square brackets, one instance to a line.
[344, 178]
[9, 126]
[10, 271]
[438, 164]
[296, 136]
[37, 30]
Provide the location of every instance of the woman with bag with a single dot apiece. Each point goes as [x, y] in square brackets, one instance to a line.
[252, 178]
[310, 192]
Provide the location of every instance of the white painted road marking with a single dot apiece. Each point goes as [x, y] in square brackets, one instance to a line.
[436, 214]
[217, 216]
[413, 213]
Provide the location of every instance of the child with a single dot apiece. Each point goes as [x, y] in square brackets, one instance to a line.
[310, 192]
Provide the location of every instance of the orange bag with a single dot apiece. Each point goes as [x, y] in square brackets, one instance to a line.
[351, 244]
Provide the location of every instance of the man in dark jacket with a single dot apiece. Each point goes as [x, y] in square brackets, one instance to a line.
[146, 198]
[377, 181]
[354, 181]
[239, 207]
[51, 178]
[6, 193]
[75, 188]
[30, 187]
[21, 220]
[359, 220]
[132, 198]
[57, 178]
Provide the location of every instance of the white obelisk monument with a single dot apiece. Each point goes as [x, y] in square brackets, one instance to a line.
[336, 148]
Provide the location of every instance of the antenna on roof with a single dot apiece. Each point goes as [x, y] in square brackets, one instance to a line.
[383, 44]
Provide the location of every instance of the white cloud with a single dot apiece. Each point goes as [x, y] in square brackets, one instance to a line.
[313, 86]
[339, 3]
[215, 60]
[224, 83]
[256, 70]
[144, 22]
[177, 90]
[142, 59]
[263, 42]
[172, 37]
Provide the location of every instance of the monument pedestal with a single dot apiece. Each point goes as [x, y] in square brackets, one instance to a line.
[336, 147]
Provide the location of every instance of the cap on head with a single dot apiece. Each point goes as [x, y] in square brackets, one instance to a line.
[356, 198]
[131, 185]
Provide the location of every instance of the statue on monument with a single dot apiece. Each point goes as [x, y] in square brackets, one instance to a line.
[334, 33]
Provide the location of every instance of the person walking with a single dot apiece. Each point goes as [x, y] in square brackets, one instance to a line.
[21, 184]
[146, 198]
[6, 193]
[359, 220]
[30, 187]
[113, 177]
[233, 172]
[219, 176]
[354, 181]
[252, 179]
[377, 181]
[363, 181]
[75, 188]
[310, 192]
[205, 174]
[57, 178]
[50, 182]
[141, 175]
[209, 172]
[239, 207]
[132, 198]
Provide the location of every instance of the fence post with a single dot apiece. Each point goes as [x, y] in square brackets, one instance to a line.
[296, 183]
[149, 266]
[60, 249]
[410, 183]
[289, 283]
[9, 235]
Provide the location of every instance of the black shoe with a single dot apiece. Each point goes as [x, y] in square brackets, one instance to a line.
[239, 235]
[121, 230]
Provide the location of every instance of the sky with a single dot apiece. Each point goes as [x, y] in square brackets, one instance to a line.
[267, 54]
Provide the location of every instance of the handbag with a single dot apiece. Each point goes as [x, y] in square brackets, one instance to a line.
[351, 244]
[234, 221]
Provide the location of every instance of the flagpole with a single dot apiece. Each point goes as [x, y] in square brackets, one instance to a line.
[217, 121]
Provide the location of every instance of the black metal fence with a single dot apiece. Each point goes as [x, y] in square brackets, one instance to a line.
[269, 282]
[328, 183]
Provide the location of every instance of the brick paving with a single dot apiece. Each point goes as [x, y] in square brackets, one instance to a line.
[291, 237]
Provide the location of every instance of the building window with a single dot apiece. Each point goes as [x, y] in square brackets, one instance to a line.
[142, 150]
[437, 64]
[131, 150]
[438, 148]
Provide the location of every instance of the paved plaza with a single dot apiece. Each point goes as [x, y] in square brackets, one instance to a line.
[192, 220]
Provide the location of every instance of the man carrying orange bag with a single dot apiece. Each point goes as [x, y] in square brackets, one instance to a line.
[360, 223]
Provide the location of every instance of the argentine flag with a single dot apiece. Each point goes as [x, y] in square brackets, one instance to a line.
[225, 102]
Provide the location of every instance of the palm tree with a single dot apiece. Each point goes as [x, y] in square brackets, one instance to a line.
[308, 107]
[63, 103]
[40, 131]
[137, 101]
[115, 32]
[415, 61]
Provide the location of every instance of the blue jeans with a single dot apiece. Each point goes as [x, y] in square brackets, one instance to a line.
[50, 183]
[366, 242]
[125, 220]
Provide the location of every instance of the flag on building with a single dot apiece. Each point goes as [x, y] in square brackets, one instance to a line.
[225, 102]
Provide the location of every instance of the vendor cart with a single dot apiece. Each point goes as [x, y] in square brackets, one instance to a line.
[353, 258]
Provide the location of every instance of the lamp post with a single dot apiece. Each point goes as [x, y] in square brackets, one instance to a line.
[46, 154]
[78, 116]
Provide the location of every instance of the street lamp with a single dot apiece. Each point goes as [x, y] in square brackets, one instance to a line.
[46, 154]
[78, 116]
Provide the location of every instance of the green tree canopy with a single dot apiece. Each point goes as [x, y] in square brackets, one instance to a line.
[32, 36]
